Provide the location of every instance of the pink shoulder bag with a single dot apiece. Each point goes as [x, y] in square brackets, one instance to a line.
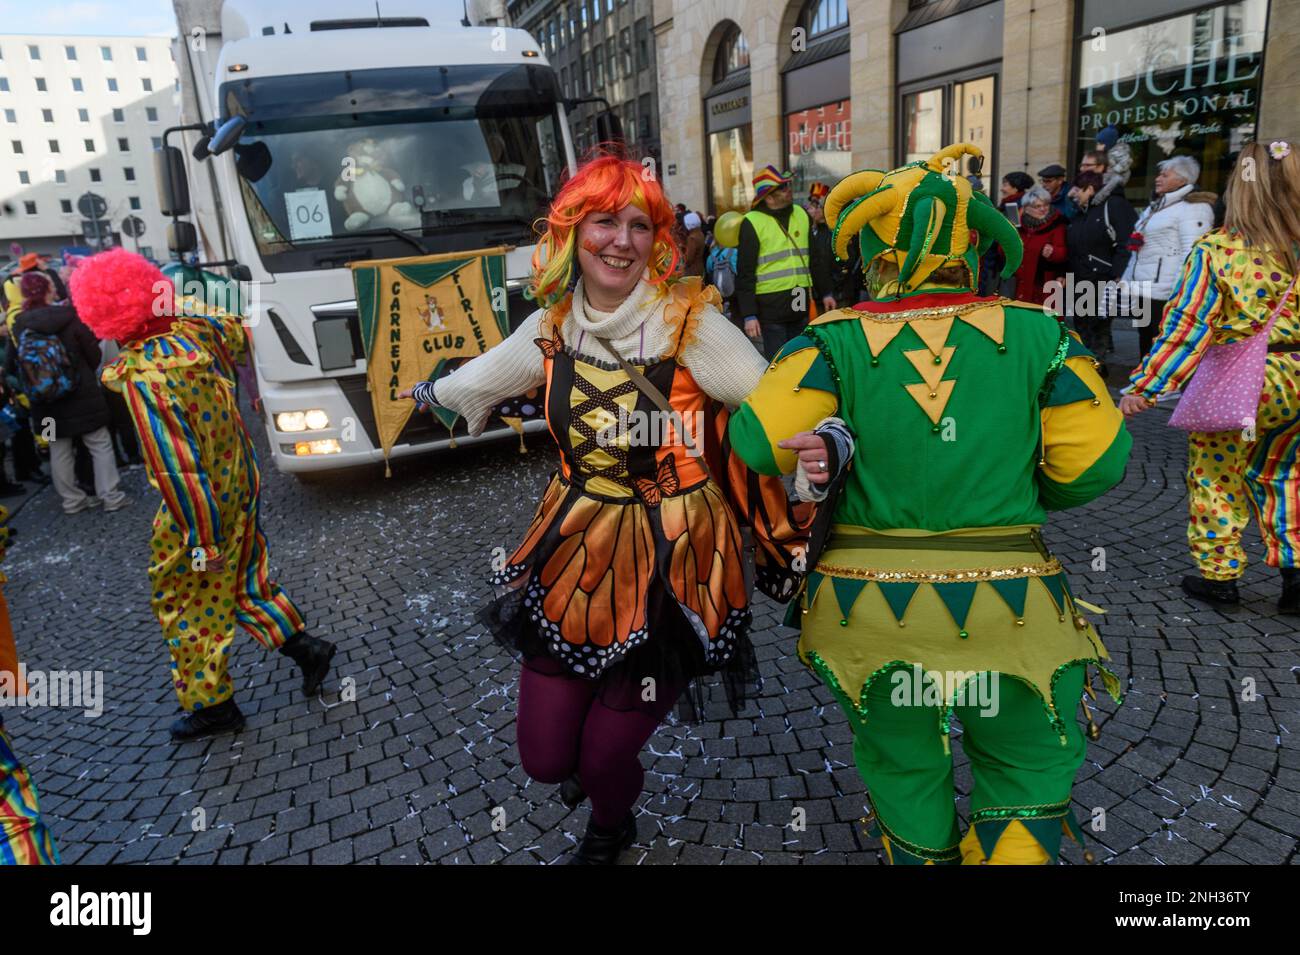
[1224, 392]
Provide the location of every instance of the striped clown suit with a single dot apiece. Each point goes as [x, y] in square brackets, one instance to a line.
[24, 838]
[209, 557]
[1226, 293]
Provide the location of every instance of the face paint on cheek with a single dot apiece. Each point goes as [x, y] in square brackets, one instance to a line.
[591, 247]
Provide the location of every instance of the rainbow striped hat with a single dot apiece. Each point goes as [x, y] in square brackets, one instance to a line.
[767, 179]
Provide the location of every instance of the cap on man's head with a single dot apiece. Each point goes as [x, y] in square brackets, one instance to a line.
[691, 221]
[767, 179]
[818, 191]
[1054, 171]
[32, 260]
[1108, 137]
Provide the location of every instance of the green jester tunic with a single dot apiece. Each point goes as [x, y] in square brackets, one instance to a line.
[972, 417]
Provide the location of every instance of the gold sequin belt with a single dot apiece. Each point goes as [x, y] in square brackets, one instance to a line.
[1046, 568]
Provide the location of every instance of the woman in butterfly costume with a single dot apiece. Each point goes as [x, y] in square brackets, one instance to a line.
[630, 580]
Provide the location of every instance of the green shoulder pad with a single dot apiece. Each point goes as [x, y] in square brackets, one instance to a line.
[1067, 389]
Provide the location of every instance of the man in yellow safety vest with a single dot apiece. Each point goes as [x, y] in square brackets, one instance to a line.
[774, 285]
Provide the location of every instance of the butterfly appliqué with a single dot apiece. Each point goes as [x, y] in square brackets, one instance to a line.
[665, 482]
[550, 348]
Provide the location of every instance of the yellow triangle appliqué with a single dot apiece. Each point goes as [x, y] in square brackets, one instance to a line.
[934, 332]
[932, 406]
[924, 364]
[880, 334]
[991, 321]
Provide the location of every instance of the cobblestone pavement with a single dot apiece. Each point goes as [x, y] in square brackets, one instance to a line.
[1189, 770]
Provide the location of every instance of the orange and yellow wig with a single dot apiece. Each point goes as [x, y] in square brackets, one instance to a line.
[607, 183]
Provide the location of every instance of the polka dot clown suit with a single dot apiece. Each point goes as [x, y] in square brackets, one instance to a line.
[1226, 293]
[209, 558]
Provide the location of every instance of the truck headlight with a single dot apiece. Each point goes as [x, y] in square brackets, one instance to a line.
[312, 420]
[327, 446]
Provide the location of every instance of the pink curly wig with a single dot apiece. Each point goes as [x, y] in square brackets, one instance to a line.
[120, 295]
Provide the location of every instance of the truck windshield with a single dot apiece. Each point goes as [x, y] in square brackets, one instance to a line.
[452, 156]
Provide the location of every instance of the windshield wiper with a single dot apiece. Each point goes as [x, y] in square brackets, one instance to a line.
[444, 220]
[395, 233]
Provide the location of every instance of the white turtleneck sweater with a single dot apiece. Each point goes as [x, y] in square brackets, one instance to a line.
[721, 358]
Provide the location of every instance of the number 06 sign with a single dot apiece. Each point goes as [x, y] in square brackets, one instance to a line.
[309, 214]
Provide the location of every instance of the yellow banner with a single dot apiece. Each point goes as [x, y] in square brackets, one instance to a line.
[418, 314]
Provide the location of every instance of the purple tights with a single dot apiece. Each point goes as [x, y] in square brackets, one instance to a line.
[564, 726]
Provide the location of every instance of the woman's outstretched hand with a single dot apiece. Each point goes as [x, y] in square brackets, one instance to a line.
[812, 454]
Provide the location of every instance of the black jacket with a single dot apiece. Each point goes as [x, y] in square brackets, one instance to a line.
[770, 306]
[84, 410]
[828, 274]
[1093, 255]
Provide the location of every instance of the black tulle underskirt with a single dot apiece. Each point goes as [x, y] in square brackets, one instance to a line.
[672, 656]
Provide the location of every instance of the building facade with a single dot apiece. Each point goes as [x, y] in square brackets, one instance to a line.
[821, 87]
[82, 114]
[600, 49]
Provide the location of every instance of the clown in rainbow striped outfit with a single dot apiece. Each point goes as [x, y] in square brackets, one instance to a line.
[954, 422]
[209, 570]
[24, 838]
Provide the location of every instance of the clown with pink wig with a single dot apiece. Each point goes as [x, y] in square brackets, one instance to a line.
[209, 572]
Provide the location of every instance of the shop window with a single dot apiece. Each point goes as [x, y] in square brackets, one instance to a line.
[957, 110]
[1186, 85]
[731, 155]
[820, 145]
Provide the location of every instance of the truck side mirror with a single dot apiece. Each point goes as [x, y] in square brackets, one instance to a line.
[241, 273]
[609, 128]
[181, 237]
[173, 189]
[227, 135]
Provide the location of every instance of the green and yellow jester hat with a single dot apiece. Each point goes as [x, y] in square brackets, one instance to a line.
[920, 217]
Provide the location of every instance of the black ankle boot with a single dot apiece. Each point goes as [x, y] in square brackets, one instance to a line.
[1290, 602]
[571, 792]
[1214, 591]
[209, 721]
[602, 847]
[313, 656]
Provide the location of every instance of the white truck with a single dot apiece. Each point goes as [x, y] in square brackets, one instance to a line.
[290, 106]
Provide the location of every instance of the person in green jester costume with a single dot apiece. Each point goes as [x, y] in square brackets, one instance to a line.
[951, 424]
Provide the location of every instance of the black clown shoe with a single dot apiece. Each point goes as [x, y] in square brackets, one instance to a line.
[571, 792]
[313, 656]
[209, 721]
[1290, 602]
[1222, 592]
[602, 847]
